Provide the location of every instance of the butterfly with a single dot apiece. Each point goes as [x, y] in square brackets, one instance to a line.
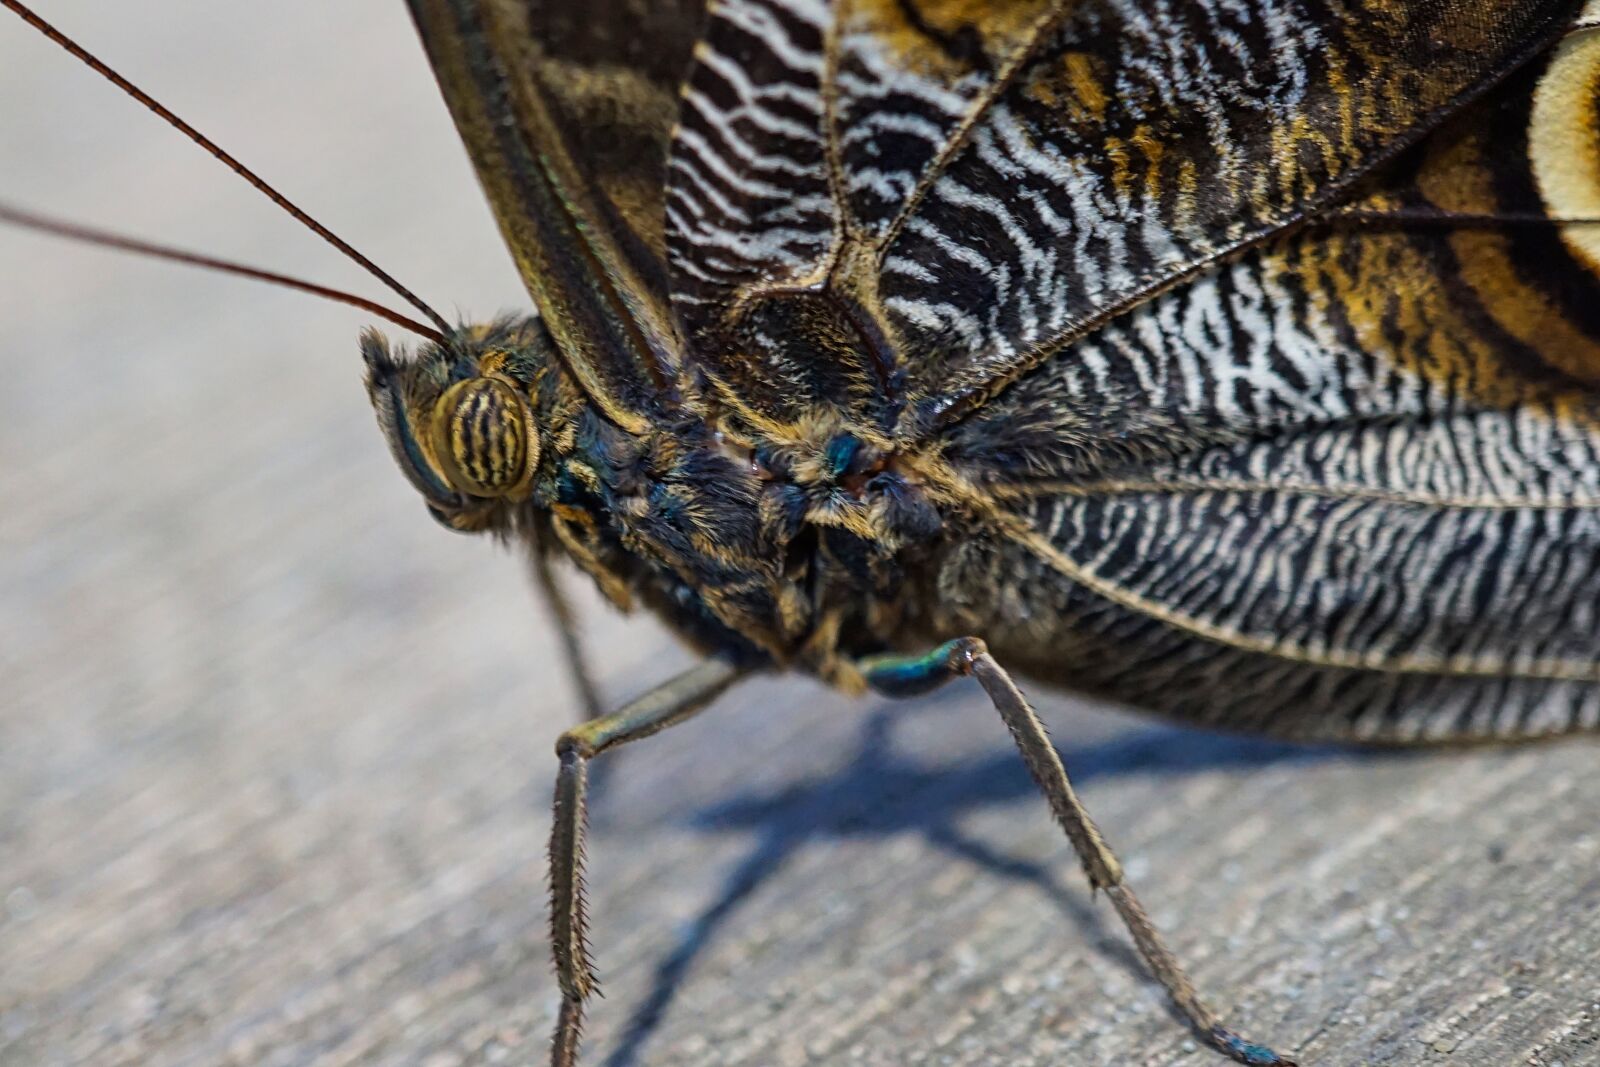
[1188, 355]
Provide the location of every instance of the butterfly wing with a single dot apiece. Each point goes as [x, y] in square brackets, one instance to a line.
[972, 187]
[1325, 481]
[1347, 485]
[1333, 586]
[566, 110]
[1318, 481]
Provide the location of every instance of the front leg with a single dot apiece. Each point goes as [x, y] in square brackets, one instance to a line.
[896, 675]
[663, 706]
[566, 621]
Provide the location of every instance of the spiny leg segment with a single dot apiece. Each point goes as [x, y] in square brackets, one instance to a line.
[664, 706]
[897, 675]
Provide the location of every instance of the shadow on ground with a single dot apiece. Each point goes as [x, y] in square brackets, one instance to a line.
[882, 793]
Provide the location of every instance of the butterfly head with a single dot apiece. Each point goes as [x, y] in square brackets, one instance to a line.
[460, 420]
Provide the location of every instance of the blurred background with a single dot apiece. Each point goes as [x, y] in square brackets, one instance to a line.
[275, 750]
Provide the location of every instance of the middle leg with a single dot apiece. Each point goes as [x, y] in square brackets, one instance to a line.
[896, 675]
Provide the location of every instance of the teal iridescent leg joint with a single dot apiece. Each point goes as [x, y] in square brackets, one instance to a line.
[912, 675]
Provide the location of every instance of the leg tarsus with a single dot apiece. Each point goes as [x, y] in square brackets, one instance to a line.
[568, 906]
[1164, 965]
[670, 703]
[569, 1033]
[896, 675]
[1246, 1052]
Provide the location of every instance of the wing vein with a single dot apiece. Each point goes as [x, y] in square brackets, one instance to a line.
[959, 137]
[1177, 486]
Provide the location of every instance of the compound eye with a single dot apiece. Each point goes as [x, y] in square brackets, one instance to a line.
[484, 438]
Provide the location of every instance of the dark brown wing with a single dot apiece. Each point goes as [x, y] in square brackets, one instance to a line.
[567, 109]
[973, 186]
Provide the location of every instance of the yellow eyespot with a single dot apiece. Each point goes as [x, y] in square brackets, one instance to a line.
[1562, 142]
[484, 438]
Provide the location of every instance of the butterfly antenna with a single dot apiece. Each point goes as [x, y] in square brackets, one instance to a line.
[44, 224]
[233, 164]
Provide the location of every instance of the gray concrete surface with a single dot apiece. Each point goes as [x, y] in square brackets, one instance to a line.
[275, 750]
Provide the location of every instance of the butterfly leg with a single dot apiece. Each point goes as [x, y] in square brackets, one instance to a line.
[896, 675]
[571, 647]
[664, 706]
